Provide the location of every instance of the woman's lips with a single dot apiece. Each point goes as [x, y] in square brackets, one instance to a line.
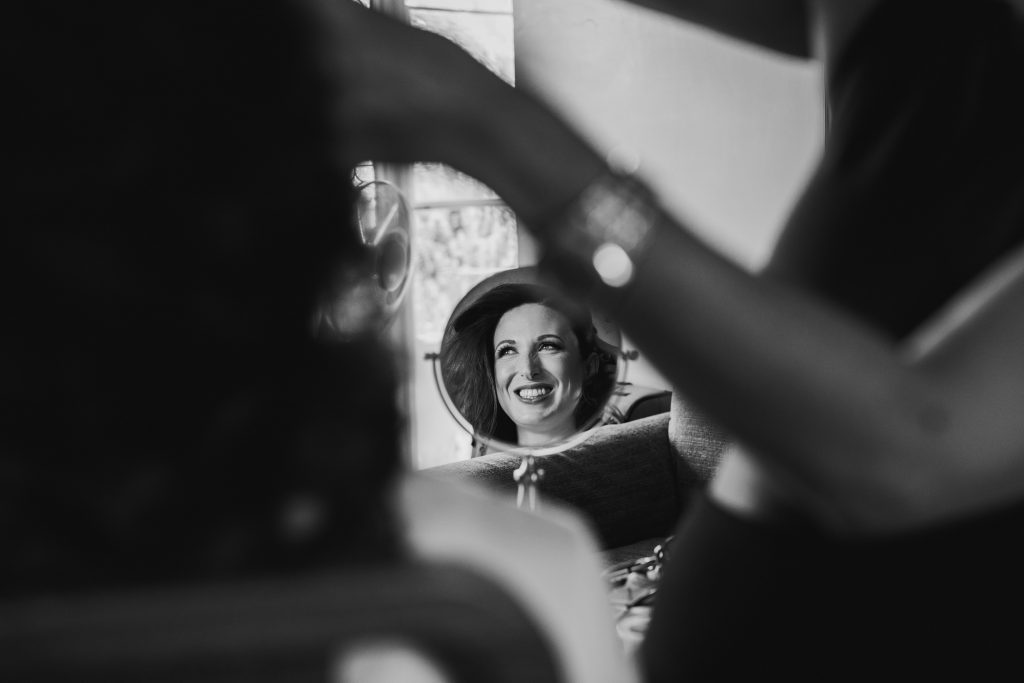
[534, 392]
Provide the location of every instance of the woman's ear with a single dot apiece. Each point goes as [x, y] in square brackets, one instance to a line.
[592, 365]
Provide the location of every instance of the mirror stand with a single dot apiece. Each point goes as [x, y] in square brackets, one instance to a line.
[528, 477]
[529, 474]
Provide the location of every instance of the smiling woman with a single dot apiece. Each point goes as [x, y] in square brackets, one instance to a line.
[539, 371]
[525, 366]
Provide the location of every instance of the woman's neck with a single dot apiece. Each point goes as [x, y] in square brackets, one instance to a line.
[531, 437]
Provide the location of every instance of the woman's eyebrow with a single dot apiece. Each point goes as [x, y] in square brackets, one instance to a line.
[550, 335]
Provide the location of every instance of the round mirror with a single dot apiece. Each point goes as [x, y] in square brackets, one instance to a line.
[523, 367]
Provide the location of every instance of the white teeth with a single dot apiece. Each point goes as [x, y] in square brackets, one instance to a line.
[534, 392]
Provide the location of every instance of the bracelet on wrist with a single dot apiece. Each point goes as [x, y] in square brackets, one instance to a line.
[602, 237]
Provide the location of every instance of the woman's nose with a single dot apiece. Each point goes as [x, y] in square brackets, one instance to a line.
[531, 365]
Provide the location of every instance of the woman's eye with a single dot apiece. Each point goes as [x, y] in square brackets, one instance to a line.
[549, 346]
[504, 351]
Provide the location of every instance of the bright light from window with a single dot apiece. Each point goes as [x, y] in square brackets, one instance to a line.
[462, 231]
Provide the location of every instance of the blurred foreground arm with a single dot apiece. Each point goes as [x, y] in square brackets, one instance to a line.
[863, 436]
[547, 559]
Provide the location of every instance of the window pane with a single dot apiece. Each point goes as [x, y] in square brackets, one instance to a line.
[456, 247]
[437, 183]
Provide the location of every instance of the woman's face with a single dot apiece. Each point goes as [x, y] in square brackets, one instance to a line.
[538, 372]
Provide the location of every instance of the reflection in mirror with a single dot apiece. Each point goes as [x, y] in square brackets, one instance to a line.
[525, 368]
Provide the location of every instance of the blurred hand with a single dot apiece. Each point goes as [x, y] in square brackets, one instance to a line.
[405, 95]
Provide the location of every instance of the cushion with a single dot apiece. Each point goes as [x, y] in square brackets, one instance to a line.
[696, 441]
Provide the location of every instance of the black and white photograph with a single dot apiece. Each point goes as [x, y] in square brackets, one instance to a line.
[512, 341]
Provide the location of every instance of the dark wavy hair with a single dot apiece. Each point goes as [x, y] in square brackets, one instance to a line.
[467, 357]
[176, 208]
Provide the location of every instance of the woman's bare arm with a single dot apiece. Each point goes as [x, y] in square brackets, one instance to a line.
[883, 439]
[958, 451]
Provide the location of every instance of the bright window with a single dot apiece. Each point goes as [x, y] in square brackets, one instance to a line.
[462, 231]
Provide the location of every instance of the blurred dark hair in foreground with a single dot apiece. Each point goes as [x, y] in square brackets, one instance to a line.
[166, 414]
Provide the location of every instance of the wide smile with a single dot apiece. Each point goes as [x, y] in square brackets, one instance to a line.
[534, 393]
